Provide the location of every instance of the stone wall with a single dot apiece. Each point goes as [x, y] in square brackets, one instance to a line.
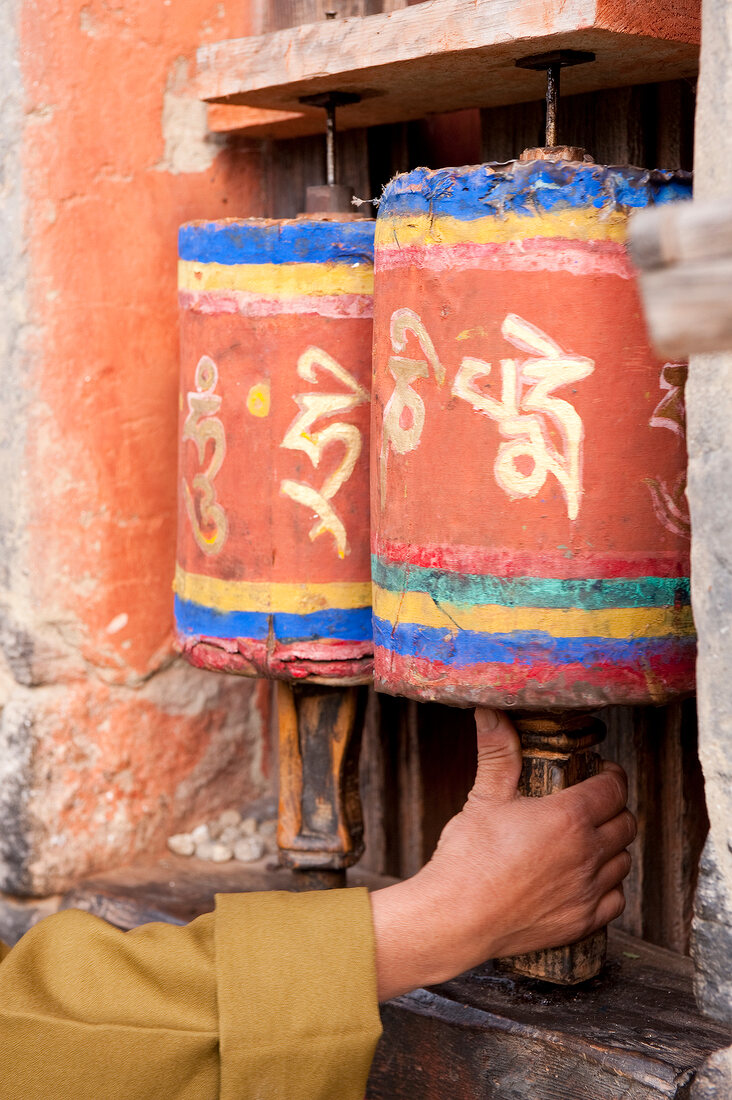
[709, 401]
[108, 742]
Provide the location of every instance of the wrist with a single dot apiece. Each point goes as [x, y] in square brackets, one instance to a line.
[417, 942]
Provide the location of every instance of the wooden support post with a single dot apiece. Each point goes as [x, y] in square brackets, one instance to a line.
[320, 829]
[558, 752]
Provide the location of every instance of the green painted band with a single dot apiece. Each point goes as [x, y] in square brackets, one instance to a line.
[474, 590]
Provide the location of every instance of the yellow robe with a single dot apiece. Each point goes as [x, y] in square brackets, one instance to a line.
[272, 997]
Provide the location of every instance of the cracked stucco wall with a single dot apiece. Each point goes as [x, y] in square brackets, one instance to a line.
[108, 742]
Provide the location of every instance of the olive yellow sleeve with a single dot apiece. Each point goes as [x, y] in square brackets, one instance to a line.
[272, 996]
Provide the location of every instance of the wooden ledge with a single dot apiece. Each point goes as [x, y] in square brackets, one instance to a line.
[176, 889]
[445, 55]
[634, 1033]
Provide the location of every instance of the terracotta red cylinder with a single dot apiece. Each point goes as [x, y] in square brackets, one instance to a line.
[529, 523]
[273, 570]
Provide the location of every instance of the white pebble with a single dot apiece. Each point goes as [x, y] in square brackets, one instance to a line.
[229, 817]
[268, 828]
[182, 844]
[248, 826]
[248, 849]
[229, 835]
[201, 834]
[213, 851]
[221, 853]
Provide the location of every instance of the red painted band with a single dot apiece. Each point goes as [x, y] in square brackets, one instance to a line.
[479, 560]
[340, 661]
[537, 686]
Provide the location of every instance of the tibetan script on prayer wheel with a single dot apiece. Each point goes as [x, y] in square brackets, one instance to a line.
[273, 559]
[530, 533]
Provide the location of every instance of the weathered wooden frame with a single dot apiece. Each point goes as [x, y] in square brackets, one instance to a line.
[443, 55]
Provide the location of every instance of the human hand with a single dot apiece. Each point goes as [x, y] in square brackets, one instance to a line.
[509, 875]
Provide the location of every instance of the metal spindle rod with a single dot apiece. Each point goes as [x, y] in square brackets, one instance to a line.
[331, 197]
[552, 103]
[552, 64]
[331, 171]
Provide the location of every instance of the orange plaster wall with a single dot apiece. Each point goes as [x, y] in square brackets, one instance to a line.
[113, 163]
[102, 222]
[117, 774]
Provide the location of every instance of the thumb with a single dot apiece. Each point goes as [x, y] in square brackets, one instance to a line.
[499, 755]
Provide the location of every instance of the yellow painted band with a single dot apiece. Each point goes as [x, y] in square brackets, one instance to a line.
[620, 622]
[270, 597]
[574, 224]
[278, 280]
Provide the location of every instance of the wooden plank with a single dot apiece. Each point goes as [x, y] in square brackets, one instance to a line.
[626, 745]
[676, 824]
[290, 13]
[450, 139]
[274, 15]
[379, 784]
[688, 308]
[649, 125]
[697, 232]
[417, 766]
[634, 1033]
[259, 123]
[657, 746]
[685, 256]
[444, 757]
[451, 54]
[176, 890]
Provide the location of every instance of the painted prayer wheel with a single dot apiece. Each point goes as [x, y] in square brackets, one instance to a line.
[273, 574]
[531, 536]
[529, 525]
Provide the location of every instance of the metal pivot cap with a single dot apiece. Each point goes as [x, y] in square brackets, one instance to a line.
[552, 63]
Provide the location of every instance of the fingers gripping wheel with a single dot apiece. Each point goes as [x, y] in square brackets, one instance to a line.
[557, 753]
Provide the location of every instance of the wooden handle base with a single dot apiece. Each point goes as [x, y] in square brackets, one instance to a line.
[319, 880]
[320, 827]
[570, 965]
[558, 752]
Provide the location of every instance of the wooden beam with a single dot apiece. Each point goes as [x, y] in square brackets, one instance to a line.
[445, 55]
[632, 1034]
[684, 252]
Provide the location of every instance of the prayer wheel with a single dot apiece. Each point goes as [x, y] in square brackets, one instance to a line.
[529, 525]
[273, 574]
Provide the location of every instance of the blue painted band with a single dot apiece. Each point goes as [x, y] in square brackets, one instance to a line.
[531, 188]
[277, 242]
[475, 590]
[522, 647]
[350, 625]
